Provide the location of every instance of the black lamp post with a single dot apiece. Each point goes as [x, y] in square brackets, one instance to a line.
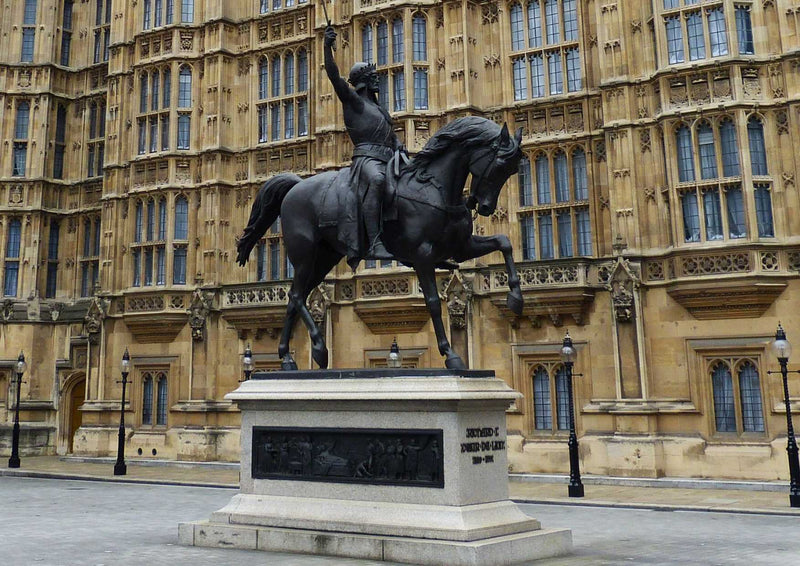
[247, 363]
[568, 357]
[783, 350]
[394, 361]
[13, 462]
[120, 469]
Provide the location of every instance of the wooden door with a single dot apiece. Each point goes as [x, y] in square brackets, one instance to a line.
[76, 397]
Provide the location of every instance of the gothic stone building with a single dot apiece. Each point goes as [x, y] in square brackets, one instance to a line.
[650, 216]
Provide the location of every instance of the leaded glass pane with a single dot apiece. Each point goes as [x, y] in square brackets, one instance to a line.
[691, 217]
[750, 393]
[562, 398]
[724, 410]
[542, 410]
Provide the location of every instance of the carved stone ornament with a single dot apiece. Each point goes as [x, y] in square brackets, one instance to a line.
[96, 313]
[623, 283]
[198, 313]
[7, 309]
[319, 301]
[458, 293]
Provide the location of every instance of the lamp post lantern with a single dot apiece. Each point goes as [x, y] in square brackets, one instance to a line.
[247, 363]
[13, 461]
[120, 469]
[568, 357]
[394, 361]
[782, 350]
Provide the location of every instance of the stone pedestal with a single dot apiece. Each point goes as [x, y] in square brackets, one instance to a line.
[399, 465]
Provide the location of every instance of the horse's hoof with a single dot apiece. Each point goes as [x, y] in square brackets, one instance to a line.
[515, 302]
[320, 356]
[288, 363]
[454, 362]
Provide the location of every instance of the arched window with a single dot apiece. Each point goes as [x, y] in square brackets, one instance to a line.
[179, 255]
[708, 154]
[419, 34]
[525, 185]
[143, 92]
[302, 70]
[561, 177]
[683, 138]
[147, 399]
[139, 221]
[724, 409]
[366, 44]
[534, 24]
[167, 95]
[185, 88]
[151, 220]
[542, 412]
[562, 398]
[579, 174]
[181, 218]
[398, 49]
[730, 149]
[758, 154]
[543, 179]
[154, 96]
[263, 78]
[161, 401]
[517, 35]
[22, 122]
[92, 121]
[288, 73]
[383, 43]
[276, 75]
[162, 219]
[750, 394]
[13, 244]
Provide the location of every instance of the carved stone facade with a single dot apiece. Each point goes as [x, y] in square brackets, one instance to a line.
[650, 221]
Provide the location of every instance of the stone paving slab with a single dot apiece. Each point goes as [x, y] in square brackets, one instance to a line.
[754, 500]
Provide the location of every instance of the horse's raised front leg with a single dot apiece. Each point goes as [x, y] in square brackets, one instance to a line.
[427, 281]
[478, 246]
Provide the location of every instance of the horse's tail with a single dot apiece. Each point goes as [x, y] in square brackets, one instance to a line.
[265, 211]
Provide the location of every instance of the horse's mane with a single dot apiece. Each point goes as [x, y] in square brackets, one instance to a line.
[468, 131]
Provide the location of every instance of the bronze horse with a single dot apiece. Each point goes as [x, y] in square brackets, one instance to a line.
[433, 221]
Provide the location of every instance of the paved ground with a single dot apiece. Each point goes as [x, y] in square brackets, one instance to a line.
[92, 523]
[758, 498]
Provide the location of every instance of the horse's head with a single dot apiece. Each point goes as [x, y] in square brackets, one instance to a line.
[490, 167]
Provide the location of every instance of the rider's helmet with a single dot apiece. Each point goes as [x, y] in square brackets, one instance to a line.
[360, 75]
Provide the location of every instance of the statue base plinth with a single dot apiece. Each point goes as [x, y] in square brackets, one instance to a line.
[398, 465]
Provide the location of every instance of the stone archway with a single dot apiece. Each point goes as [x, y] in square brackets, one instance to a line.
[73, 396]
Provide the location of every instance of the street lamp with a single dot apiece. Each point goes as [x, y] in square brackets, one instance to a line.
[782, 350]
[21, 366]
[120, 469]
[568, 357]
[247, 363]
[394, 360]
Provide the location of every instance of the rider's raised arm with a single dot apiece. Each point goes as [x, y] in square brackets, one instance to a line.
[340, 86]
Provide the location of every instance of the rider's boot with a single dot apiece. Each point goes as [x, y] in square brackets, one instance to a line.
[372, 220]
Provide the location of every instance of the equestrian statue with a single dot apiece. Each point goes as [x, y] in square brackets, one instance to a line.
[385, 206]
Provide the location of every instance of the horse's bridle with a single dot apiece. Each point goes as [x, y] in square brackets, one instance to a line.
[494, 149]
